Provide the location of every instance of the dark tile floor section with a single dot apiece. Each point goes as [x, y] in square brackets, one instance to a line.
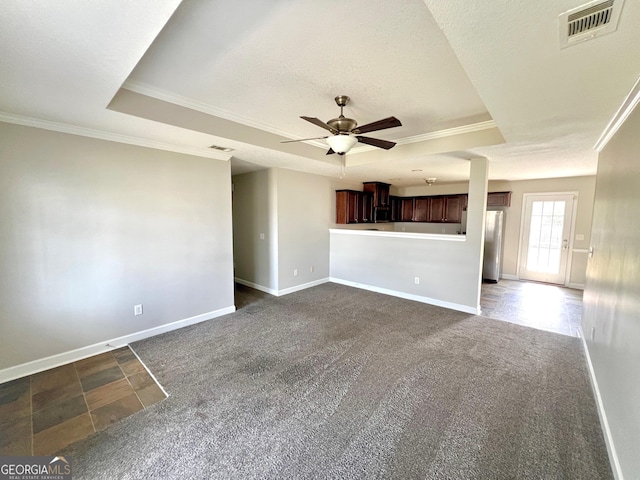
[47, 411]
[538, 305]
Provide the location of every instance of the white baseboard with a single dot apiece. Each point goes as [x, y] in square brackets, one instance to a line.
[409, 296]
[63, 358]
[507, 276]
[608, 439]
[303, 286]
[285, 291]
[577, 286]
[246, 283]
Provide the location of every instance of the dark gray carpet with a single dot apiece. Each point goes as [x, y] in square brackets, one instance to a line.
[335, 382]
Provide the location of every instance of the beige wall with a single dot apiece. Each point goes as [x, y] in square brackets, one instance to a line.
[295, 210]
[89, 228]
[585, 186]
[252, 220]
[611, 318]
[303, 228]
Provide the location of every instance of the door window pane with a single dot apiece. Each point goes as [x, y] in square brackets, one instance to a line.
[545, 237]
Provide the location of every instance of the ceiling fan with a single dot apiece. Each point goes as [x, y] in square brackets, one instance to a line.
[345, 132]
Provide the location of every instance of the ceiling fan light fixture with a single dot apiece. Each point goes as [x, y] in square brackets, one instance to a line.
[341, 143]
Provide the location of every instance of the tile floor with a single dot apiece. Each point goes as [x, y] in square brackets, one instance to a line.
[43, 413]
[537, 305]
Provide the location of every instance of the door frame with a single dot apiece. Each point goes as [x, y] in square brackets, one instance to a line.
[572, 230]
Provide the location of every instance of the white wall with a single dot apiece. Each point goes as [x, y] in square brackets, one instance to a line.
[611, 318]
[304, 217]
[252, 217]
[296, 210]
[89, 228]
[585, 186]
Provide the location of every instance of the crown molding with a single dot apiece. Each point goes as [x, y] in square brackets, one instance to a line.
[447, 132]
[629, 103]
[110, 136]
[149, 91]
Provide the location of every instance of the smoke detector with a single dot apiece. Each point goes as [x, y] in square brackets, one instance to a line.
[589, 21]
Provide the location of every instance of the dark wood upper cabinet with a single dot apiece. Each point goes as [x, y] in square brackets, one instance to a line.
[406, 209]
[453, 206]
[375, 204]
[421, 209]
[396, 208]
[366, 208]
[347, 206]
[380, 193]
[499, 199]
[353, 206]
[436, 209]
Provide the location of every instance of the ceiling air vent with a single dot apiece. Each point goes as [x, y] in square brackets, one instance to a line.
[589, 21]
[223, 149]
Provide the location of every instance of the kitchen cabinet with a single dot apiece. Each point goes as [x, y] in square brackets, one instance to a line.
[406, 209]
[353, 206]
[499, 199]
[453, 206]
[436, 209]
[375, 204]
[366, 208]
[396, 208]
[347, 206]
[380, 192]
[421, 207]
[446, 208]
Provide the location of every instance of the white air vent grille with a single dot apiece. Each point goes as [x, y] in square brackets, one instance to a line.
[589, 21]
[590, 18]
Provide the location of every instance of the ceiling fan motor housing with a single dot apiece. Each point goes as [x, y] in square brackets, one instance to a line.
[342, 124]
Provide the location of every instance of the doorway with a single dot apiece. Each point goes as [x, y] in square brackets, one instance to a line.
[546, 232]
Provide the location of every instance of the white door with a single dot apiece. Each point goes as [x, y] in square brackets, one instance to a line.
[546, 234]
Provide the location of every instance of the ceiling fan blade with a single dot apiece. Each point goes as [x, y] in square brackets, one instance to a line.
[389, 122]
[304, 139]
[330, 151]
[376, 142]
[320, 123]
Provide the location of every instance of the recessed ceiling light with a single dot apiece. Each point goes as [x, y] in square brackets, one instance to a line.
[222, 149]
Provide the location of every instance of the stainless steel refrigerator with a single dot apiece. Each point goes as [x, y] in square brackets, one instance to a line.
[492, 246]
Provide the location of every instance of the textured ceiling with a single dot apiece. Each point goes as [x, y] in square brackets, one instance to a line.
[465, 78]
[270, 62]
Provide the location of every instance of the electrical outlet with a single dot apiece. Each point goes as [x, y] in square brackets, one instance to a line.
[295, 272]
[416, 280]
[137, 309]
[262, 236]
[311, 268]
